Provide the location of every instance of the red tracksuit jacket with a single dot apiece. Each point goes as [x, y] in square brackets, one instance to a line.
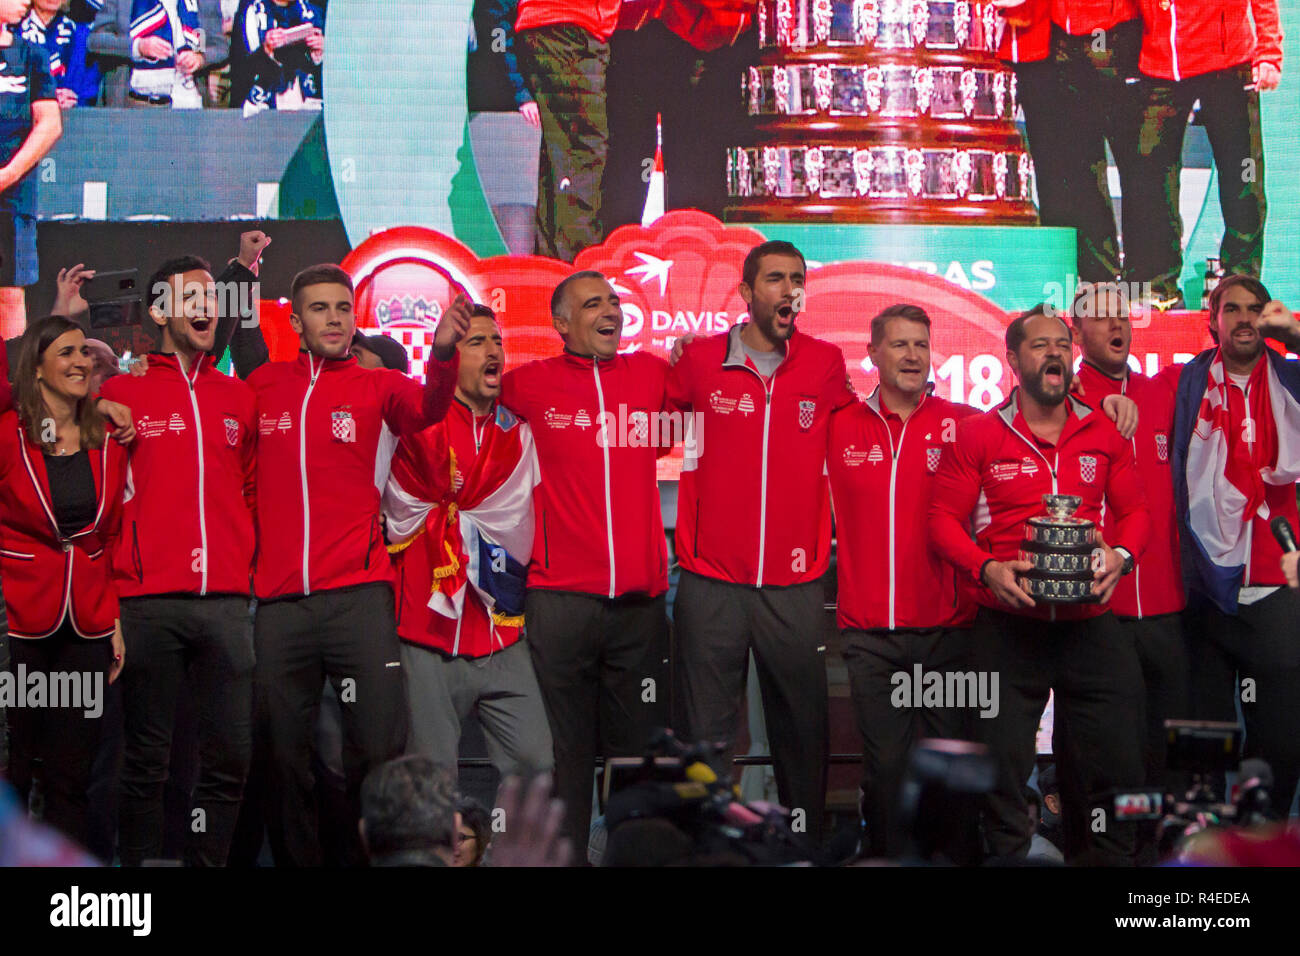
[1156, 584]
[882, 478]
[1185, 38]
[597, 17]
[599, 528]
[1078, 17]
[318, 508]
[47, 576]
[426, 456]
[994, 477]
[187, 523]
[753, 505]
[1028, 44]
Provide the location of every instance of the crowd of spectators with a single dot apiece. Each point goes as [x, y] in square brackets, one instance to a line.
[251, 55]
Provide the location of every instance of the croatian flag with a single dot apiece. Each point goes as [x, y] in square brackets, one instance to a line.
[1230, 461]
[477, 522]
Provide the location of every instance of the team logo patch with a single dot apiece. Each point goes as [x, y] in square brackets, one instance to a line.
[932, 456]
[176, 423]
[557, 420]
[1028, 466]
[1087, 469]
[232, 432]
[285, 422]
[854, 458]
[721, 404]
[1162, 446]
[1004, 470]
[807, 411]
[875, 456]
[582, 419]
[343, 427]
[746, 404]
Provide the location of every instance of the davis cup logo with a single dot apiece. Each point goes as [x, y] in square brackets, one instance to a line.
[932, 456]
[875, 456]
[807, 410]
[1162, 446]
[1087, 469]
[343, 426]
[232, 432]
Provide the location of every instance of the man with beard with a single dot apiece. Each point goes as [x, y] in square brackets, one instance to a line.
[460, 516]
[753, 551]
[900, 605]
[1149, 603]
[1236, 458]
[1043, 441]
[182, 568]
[323, 579]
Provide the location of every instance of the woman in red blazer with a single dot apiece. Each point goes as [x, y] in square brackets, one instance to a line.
[61, 485]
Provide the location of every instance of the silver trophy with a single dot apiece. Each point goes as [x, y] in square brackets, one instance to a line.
[1060, 547]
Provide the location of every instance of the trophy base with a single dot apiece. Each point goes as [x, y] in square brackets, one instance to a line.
[1061, 589]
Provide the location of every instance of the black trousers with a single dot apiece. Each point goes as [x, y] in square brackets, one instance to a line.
[1075, 102]
[890, 732]
[1166, 676]
[210, 640]
[1254, 657]
[1093, 667]
[63, 739]
[1230, 114]
[715, 625]
[350, 636]
[653, 70]
[593, 657]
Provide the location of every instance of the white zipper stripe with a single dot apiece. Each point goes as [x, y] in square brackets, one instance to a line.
[198, 431]
[1173, 37]
[1137, 571]
[762, 497]
[302, 465]
[609, 508]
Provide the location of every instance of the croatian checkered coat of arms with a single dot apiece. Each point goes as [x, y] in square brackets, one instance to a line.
[1087, 469]
[343, 427]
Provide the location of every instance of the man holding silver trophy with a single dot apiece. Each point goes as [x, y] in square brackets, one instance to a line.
[1045, 580]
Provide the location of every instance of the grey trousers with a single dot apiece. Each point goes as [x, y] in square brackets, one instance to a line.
[501, 687]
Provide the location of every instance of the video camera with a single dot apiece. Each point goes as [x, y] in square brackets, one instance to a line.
[1205, 750]
[683, 785]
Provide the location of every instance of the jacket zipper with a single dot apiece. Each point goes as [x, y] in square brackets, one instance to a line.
[1051, 470]
[1137, 571]
[302, 466]
[894, 455]
[1173, 37]
[198, 432]
[370, 542]
[609, 509]
[546, 541]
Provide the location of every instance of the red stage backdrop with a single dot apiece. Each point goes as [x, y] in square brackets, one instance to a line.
[679, 276]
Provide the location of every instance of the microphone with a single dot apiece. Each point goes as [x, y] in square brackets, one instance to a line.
[1282, 531]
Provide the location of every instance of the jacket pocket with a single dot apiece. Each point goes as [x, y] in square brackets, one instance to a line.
[695, 544]
[370, 541]
[546, 542]
[135, 554]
